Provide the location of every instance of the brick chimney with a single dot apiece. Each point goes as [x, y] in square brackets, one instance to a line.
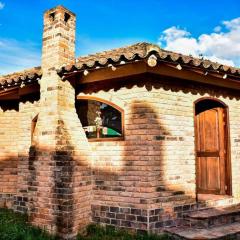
[60, 181]
[58, 38]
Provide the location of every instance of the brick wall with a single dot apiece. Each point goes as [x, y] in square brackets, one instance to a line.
[28, 110]
[15, 124]
[144, 182]
[9, 132]
[159, 140]
[153, 169]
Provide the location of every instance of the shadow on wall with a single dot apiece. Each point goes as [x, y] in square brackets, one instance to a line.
[59, 185]
[8, 154]
[169, 143]
[149, 138]
[145, 171]
[149, 170]
[61, 181]
[132, 177]
[9, 106]
[8, 181]
[152, 81]
[51, 186]
[147, 176]
[13, 105]
[137, 165]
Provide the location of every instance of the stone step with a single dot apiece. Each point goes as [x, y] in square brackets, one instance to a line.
[226, 232]
[213, 217]
[223, 201]
[170, 199]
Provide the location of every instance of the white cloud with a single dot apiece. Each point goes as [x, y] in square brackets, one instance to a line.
[2, 5]
[16, 56]
[233, 24]
[222, 45]
[218, 29]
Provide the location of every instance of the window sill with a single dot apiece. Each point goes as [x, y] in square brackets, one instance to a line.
[106, 139]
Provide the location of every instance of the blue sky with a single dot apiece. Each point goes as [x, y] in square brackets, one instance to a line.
[211, 28]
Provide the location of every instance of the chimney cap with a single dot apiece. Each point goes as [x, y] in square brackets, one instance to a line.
[59, 7]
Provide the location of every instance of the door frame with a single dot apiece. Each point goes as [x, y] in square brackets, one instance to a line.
[227, 144]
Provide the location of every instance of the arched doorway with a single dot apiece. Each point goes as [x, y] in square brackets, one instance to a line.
[212, 147]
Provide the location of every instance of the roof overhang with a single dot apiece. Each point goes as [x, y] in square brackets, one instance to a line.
[177, 70]
[14, 85]
[16, 93]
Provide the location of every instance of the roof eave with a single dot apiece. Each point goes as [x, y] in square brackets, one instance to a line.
[137, 65]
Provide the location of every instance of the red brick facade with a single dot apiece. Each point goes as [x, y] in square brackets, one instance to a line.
[143, 182]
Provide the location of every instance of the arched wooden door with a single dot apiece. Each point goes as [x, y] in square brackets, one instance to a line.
[211, 128]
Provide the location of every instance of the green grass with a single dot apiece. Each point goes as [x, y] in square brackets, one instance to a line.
[14, 226]
[96, 232]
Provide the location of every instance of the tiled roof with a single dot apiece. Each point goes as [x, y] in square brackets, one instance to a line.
[17, 78]
[139, 51]
[143, 51]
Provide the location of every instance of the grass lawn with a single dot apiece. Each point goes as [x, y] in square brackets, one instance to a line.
[95, 232]
[14, 227]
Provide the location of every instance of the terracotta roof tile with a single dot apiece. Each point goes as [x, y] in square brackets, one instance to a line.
[17, 78]
[141, 51]
[118, 56]
[115, 54]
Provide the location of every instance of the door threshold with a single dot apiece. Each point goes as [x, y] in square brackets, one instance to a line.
[211, 197]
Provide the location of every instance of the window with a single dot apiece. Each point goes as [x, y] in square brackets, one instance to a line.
[100, 120]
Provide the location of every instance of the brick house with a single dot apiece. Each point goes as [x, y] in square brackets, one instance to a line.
[133, 137]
